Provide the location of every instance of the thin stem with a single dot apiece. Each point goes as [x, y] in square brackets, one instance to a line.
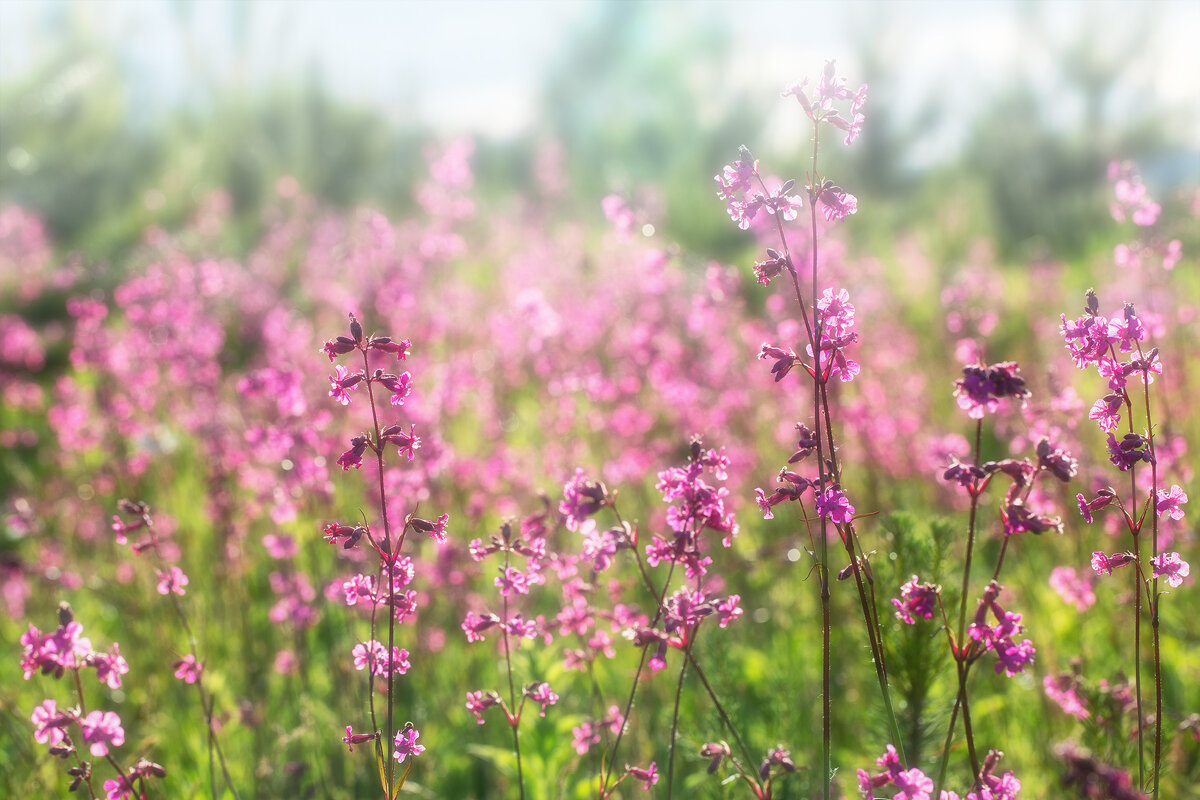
[675, 714]
[691, 656]
[1156, 598]
[966, 713]
[720, 708]
[391, 556]
[823, 542]
[1137, 651]
[960, 651]
[207, 703]
[636, 679]
[962, 607]
[512, 691]
[1134, 530]
[83, 713]
[821, 405]
[945, 759]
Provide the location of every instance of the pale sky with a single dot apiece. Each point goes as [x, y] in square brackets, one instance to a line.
[474, 66]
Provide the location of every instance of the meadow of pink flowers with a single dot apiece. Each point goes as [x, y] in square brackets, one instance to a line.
[441, 505]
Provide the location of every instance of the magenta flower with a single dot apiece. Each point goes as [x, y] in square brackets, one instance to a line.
[53, 652]
[784, 360]
[1011, 657]
[837, 312]
[735, 185]
[1072, 587]
[359, 587]
[1168, 503]
[582, 497]
[188, 669]
[1087, 508]
[1107, 411]
[373, 654]
[351, 738]
[102, 729]
[1130, 197]
[119, 789]
[1127, 330]
[916, 600]
[478, 702]
[837, 204]
[981, 388]
[648, 775]
[785, 205]
[771, 267]
[728, 610]
[833, 505]
[406, 443]
[436, 530]
[406, 743]
[109, 666]
[1019, 519]
[342, 382]
[820, 108]
[172, 581]
[1086, 338]
[1084, 508]
[399, 385]
[352, 458]
[386, 344]
[542, 694]
[338, 347]
[280, 547]
[1171, 567]
[912, 784]
[475, 624]
[1104, 564]
[1061, 689]
[1130, 450]
[48, 723]
[512, 580]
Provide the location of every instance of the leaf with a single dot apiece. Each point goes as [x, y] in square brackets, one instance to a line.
[379, 762]
[400, 783]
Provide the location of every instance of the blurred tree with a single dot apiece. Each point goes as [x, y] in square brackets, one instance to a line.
[641, 97]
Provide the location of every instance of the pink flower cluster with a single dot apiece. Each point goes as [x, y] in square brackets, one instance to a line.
[67, 649]
[1011, 657]
[916, 600]
[913, 784]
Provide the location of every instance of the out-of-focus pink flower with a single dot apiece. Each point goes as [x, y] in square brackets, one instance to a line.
[173, 580]
[188, 669]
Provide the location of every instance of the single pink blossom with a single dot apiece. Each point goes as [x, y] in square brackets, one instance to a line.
[172, 581]
[188, 669]
[101, 730]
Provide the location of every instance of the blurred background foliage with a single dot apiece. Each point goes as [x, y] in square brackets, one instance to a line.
[640, 94]
[648, 100]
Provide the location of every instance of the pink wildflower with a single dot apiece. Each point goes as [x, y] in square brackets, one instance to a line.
[1171, 567]
[188, 669]
[102, 729]
[172, 581]
[1168, 502]
[406, 743]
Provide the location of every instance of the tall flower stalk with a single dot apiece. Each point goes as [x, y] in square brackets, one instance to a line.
[171, 584]
[829, 333]
[388, 588]
[1114, 347]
